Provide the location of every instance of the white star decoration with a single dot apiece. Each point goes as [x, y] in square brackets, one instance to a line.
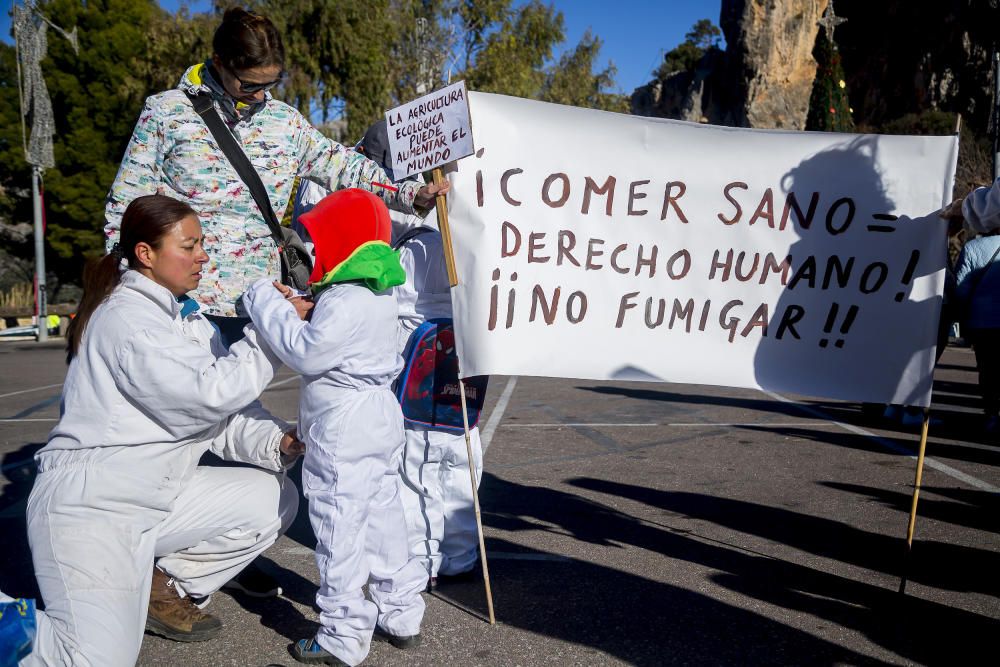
[830, 21]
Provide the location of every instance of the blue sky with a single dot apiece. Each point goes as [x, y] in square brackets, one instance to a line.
[635, 33]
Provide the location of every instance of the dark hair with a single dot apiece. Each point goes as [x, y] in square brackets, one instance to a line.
[246, 40]
[146, 220]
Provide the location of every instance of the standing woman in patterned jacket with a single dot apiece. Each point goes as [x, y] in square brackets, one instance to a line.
[172, 152]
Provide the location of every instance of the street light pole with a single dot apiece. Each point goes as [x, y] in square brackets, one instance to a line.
[31, 45]
[41, 305]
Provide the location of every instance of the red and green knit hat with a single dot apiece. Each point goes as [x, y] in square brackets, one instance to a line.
[350, 231]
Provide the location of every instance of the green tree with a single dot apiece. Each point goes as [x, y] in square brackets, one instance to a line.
[425, 49]
[511, 58]
[506, 50]
[174, 42]
[573, 81]
[96, 96]
[829, 109]
[356, 60]
[702, 37]
[337, 56]
[16, 248]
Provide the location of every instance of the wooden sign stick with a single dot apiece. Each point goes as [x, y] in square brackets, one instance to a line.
[442, 213]
[916, 495]
[475, 504]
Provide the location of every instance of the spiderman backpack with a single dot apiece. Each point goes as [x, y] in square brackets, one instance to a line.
[428, 386]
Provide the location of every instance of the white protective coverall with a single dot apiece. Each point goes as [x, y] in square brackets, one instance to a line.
[437, 491]
[119, 484]
[981, 208]
[351, 424]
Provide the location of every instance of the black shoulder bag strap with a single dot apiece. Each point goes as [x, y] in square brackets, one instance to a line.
[241, 163]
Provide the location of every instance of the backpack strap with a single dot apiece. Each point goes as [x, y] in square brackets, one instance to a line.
[410, 234]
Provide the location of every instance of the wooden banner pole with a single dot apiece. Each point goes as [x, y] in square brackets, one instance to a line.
[475, 504]
[449, 261]
[442, 215]
[916, 495]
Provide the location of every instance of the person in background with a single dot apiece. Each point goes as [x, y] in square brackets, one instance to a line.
[978, 296]
[150, 389]
[981, 208]
[437, 489]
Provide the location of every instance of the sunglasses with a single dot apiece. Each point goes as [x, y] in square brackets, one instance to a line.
[257, 87]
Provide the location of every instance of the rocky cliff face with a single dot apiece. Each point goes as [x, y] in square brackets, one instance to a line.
[770, 47]
[900, 57]
[763, 79]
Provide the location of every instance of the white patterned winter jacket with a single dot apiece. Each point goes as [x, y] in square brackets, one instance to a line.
[173, 153]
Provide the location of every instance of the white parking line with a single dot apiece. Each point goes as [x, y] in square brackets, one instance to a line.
[28, 391]
[559, 424]
[665, 424]
[486, 435]
[511, 555]
[298, 551]
[974, 482]
[282, 382]
[492, 555]
[37, 419]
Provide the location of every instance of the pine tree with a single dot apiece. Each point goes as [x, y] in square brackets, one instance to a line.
[829, 109]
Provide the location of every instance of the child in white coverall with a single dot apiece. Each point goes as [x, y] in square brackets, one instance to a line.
[352, 426]
[149, 390]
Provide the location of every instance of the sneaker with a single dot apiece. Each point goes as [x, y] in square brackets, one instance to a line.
[254, 582]
[399, 641]
[177, 618]
[17, 629]
[310, 652]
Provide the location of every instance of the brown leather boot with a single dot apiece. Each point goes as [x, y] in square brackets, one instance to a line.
[177, 618]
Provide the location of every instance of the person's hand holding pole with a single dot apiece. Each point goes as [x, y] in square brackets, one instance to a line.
[426, 195]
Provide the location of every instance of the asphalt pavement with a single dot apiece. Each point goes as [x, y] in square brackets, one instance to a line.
[648, 524]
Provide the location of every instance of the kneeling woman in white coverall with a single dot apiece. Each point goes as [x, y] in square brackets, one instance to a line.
[149, 390]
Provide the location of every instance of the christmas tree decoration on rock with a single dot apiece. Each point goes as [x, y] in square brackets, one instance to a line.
[829, 109]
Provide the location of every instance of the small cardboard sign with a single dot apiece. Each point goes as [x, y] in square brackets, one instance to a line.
[430, 131]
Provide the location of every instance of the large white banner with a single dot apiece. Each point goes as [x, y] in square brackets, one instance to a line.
[604, 246]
